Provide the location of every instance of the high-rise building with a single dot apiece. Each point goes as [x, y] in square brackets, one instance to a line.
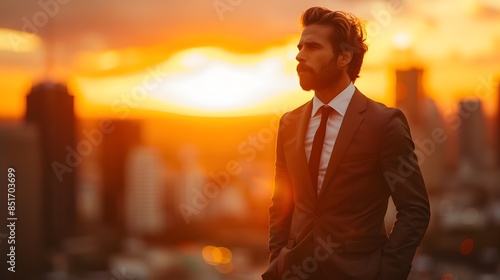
[50, 108]
[124, 135]
[409, 92]
[145, 186]
[431, 150]
[20, 150]
[497, 139]
[424, 119]
[472, 133]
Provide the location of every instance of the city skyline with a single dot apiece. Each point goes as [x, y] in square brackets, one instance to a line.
[233, 159]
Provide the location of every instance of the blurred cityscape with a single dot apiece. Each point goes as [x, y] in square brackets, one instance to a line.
[102, 199]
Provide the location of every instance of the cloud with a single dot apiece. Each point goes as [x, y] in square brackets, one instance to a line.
[80, 26]
[137, 23]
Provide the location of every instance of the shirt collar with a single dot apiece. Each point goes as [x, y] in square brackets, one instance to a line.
[339, 103]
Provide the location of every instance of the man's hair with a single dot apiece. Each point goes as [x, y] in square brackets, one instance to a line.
[348, 34]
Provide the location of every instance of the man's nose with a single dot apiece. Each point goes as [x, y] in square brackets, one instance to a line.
[300, 57]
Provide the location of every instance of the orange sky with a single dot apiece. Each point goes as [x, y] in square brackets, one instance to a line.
[238, 60]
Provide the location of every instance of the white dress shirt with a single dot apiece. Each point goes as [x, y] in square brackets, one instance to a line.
[339, 104]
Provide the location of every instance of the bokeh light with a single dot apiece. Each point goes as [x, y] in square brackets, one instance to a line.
[466, 247]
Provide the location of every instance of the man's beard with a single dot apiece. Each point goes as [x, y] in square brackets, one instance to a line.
[328, 75]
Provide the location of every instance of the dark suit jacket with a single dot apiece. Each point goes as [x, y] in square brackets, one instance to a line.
[341, 231]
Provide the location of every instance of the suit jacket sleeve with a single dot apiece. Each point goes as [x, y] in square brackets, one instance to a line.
[281, 210]
[403, 178]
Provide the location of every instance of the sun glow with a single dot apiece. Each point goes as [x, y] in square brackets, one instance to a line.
[206, 82]
[216, 84]
[402, 40]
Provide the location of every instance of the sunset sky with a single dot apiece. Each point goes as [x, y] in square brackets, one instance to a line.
[234, 57]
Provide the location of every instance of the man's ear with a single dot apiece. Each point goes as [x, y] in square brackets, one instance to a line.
[344, 58]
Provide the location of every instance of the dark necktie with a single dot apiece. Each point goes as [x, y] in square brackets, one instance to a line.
[317, 146]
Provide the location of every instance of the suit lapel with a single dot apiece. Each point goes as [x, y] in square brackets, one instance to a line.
[297, 136]
[350, 124]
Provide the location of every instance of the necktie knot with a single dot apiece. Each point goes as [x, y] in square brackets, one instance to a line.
[325, 112]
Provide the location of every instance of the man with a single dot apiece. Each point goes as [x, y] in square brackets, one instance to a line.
[339, 158]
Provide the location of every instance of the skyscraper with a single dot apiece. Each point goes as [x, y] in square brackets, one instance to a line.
[497, 139]
[116, 147]
[409, 92]
[424, 117]
[145, 186]
[472, 133]
[50, 108]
